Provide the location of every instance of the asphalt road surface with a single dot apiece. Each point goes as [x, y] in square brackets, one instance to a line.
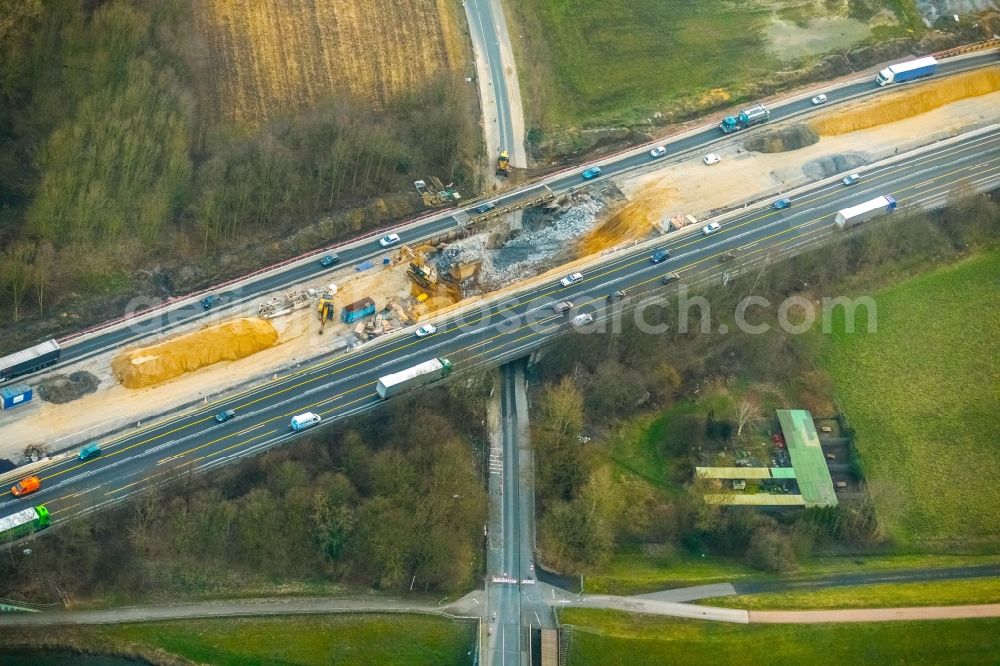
[491, 334]
[448, 219]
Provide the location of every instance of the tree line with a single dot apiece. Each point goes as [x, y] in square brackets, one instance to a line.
[108, 163]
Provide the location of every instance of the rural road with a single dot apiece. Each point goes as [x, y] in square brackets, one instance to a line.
[874, 614]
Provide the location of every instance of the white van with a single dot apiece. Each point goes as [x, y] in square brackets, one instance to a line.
[303, 421]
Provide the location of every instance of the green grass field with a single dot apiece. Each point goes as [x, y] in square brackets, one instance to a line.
[601, 62]
[634, 572]
[923, 394]
[606, 638]
[887, 595]
[300, 641]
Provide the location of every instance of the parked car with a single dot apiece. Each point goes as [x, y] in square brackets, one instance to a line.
[592, 172]
[209, 301]
[712, 158]
[486, 207]
[710, 228]
[329, 260]
[571, 279]
[781, 204]
[26, 485]
[660, 255]
[89, 451]
[659, 151]
[669, 277]
[850, 180]
[582, 319]
[562, 307]
[222, 417]
[386, 241]
[819, 99]
[425, 330]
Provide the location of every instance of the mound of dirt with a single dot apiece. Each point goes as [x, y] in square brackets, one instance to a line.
[832, 165]
[783, 140]
[148, 366]
[909, 102]
[61, 389]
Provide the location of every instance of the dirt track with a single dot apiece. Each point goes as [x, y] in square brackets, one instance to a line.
[874, 614]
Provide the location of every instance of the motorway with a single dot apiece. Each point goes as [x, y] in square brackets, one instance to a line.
[491, 333]
[298, 272]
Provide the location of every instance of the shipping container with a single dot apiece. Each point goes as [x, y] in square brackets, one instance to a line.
[12, 396]
[357, 310]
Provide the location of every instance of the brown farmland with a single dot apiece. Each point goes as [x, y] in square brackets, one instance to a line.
[273, 56]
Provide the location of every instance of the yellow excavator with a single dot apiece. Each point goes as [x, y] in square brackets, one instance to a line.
[325, 309]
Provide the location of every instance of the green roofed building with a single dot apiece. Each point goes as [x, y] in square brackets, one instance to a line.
[808, 461]
[808, 469]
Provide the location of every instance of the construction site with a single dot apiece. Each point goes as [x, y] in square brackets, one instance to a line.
[406, 286]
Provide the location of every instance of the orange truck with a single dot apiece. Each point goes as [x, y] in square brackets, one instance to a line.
[26, 485]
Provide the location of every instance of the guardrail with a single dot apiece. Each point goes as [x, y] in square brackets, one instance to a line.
[682, 129]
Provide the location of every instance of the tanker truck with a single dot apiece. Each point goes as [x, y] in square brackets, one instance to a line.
[755, 115]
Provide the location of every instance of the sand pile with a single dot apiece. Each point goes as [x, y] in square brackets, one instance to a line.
[636, 220]
[909, 102]
[148, 366]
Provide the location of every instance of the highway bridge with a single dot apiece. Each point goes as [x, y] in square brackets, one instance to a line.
[86, 344]
[509, 326]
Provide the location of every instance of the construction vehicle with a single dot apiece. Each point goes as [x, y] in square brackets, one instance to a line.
[855, 215]
[325, 309]
[423, 275]
[503, 164]
[755, 115]
[418, 375]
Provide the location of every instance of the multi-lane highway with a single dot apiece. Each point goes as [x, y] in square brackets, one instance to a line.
[490, 334]
[82, 347]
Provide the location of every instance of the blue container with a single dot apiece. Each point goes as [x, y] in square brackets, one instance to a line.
[12, 396]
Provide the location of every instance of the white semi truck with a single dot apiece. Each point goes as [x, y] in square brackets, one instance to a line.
[855, 215]
[418, 375]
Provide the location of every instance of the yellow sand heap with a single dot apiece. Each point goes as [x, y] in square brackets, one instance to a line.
[636, 220]
[909, 102]
[139, 368]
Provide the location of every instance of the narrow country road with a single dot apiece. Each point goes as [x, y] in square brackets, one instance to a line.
[874, 614]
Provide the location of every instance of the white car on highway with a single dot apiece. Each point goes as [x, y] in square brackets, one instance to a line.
[712, 158]
[582, 319]
[425, 330]
[659, 151]
[819, 99]
[386, 241]
[710, 228]
[571, 279]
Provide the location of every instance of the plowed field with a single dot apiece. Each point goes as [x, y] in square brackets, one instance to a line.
[269, 56]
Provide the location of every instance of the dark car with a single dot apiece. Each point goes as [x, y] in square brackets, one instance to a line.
[329, 260]
[209, 301]
[660, 255]
[222, 417]
[781, 204]
[486, 207]
[669, 277]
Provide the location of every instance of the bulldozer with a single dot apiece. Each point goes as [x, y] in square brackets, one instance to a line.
[503, 164]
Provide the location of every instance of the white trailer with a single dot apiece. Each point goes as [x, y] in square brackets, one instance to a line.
[907, 71]
[855, 215]
[418, 375]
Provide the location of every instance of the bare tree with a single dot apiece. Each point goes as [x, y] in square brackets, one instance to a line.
[748, 409]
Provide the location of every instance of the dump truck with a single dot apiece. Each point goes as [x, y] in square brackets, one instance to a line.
[855, 215]
[503, 164]
[357, 310]
[23, 522]
[907, 71]
[29, 360]
[755, 115]
[418, 375]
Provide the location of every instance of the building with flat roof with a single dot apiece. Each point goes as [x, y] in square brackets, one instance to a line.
[809, 469]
